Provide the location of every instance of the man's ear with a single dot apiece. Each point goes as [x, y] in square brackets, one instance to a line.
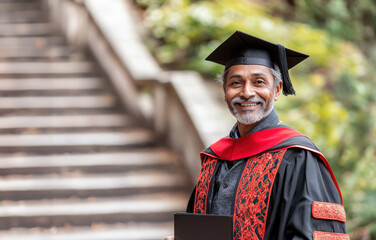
[224, 91]
[277, 91]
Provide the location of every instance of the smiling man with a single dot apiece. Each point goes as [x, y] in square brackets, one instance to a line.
[271, 178]
[250, 94]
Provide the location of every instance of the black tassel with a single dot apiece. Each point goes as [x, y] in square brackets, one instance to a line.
[288, 89]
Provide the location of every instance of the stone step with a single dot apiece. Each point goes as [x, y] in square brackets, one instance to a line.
[63, 67]
[26, 84]
[54, 102]
[65, 93]
[90, 193]
[78, 185]
[18, 1]
[31, 142]
[130, 231]
[72, 121]
[6, 7]
[147, 158]
[51, 53]
[72, 182]
[74, 149]
[24, 29]
[47, 213]
[24, 16]
[56, 111]
[131, 136]
[62, 130]
[73, 130]
[56, 92]
[22, 43]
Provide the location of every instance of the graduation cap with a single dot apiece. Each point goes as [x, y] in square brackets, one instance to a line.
[244, 49]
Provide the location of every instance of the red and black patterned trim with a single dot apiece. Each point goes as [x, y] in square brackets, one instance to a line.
[274, 138]
[330, 236]
[328, 211]
[253, 194]
[203, 183]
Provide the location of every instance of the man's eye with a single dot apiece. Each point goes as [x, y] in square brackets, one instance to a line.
[260, 81]
[235, 83]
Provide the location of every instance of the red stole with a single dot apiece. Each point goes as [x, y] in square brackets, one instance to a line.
[231, 149]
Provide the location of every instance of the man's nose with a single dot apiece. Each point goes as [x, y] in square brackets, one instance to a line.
[247, 91]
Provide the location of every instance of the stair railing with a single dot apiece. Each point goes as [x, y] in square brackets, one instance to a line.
[176, 104]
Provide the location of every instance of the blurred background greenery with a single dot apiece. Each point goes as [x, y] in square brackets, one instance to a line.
[335, 101]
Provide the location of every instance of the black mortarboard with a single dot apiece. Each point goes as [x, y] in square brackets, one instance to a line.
[244, 49]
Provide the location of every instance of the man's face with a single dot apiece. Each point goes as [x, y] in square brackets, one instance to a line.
[249, 92]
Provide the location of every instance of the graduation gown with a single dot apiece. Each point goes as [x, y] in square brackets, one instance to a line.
[296, 196]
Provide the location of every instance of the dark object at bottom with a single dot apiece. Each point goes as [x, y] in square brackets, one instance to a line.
[189, 226]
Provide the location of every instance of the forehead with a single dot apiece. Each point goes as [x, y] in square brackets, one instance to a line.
[249, 69]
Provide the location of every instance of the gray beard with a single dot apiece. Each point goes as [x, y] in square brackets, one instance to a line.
[248, 117]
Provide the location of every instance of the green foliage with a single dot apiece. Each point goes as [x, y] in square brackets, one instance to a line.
[353, 20]
[335, 101]
[350, 20]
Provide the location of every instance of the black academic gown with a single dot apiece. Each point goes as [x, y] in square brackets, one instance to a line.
[302, 178]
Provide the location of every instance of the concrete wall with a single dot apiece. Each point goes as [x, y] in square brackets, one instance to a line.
[179, 108]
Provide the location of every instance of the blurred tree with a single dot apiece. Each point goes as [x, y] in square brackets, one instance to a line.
[353, 20]
[335, 101]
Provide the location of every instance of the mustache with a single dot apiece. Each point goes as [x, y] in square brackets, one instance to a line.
[242, 100]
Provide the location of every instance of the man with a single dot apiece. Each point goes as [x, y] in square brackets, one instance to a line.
[269, 177]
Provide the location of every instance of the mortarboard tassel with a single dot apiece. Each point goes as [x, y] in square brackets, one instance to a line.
[288, 89]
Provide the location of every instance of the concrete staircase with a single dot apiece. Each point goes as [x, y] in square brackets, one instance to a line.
[73, 164]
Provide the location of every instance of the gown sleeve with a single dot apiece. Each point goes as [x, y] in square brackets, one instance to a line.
[303, 179]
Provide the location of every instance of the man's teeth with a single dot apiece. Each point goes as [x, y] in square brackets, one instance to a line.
[248, 104]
